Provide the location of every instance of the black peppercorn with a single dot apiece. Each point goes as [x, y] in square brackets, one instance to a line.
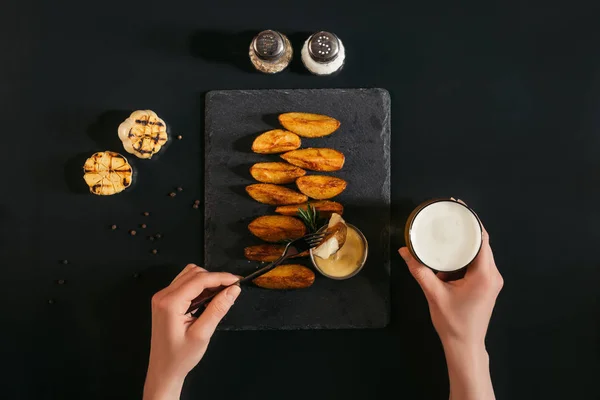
[179, 137]
[50, 301]
[180, 189]
[146, 213]
[158, 236]
[113, 227]
[195, 206]
[143, 226]
[154, 251]
[65, 262]
[151, 238]
[60, 281]
[197, 202]
[136, 275]
[172, 194]
[132, 232]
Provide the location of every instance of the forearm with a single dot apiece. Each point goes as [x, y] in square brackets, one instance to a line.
[469, 372]
[160, 387]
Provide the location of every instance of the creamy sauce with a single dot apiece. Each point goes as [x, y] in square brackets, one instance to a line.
[347, 260]
[445, 235]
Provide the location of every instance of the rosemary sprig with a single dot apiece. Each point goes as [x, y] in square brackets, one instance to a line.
[310, 216]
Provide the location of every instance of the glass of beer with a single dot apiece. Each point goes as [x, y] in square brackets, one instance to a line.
[443, 234]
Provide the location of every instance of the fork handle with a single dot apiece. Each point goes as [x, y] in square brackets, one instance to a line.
[209, 293]
[206, 296]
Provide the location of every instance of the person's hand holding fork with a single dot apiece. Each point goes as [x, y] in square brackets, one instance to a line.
[179, 340]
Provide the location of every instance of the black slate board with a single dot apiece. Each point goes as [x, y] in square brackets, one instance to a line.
[233, 119]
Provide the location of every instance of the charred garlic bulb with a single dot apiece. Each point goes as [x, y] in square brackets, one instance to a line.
[143, 134]
[107, 173]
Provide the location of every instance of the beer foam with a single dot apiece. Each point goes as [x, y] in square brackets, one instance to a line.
[445, 235]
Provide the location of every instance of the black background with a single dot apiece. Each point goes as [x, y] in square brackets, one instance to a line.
[498, 106]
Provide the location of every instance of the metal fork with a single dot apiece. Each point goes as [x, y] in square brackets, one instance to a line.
[293, 248]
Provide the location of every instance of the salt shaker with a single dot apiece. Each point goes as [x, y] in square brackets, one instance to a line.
[270, 52]
[323, 53]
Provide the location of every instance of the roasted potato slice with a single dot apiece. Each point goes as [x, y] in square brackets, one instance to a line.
[267, 252]
[276, 141]
[335, 237]
[277, 228]
[274, 195]
[309, 125]
[315, 159]
[324, 207]
[321, 187]
[288, 276]
[276, 172]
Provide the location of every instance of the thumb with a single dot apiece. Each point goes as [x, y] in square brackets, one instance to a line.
[207, 322]
[424, 276]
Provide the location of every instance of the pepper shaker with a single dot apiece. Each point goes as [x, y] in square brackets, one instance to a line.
[323, 53]
[270, 52]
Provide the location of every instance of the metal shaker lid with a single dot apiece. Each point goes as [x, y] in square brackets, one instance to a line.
[323, 47]
[268, 45]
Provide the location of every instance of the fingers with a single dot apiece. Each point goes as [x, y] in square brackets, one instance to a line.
[197, 283]
[188, 268]
[484, 263]
[483, 269]
[177, 296]
[424, 276]
[485, 259]
[488, 249]
[185, 275]
[204, 327]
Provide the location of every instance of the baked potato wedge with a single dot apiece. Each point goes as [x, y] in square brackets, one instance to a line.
[267, 252]
[287, 276]
[274, 195]
[309, 125]
[321, 187]
[324, 207]
[277, 228]
[276, 172]
[276, 141]
[315, 159]
[335, 237]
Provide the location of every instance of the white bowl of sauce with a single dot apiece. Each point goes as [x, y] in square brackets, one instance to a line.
[348, 260]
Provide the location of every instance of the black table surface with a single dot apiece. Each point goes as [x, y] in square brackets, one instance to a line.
[498, 106]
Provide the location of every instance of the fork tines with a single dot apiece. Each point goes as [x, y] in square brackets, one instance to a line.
[314, 239]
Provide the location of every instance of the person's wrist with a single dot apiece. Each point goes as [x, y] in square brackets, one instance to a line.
[460, 351]
[161, 385]
[468, 369]
[469, 345]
